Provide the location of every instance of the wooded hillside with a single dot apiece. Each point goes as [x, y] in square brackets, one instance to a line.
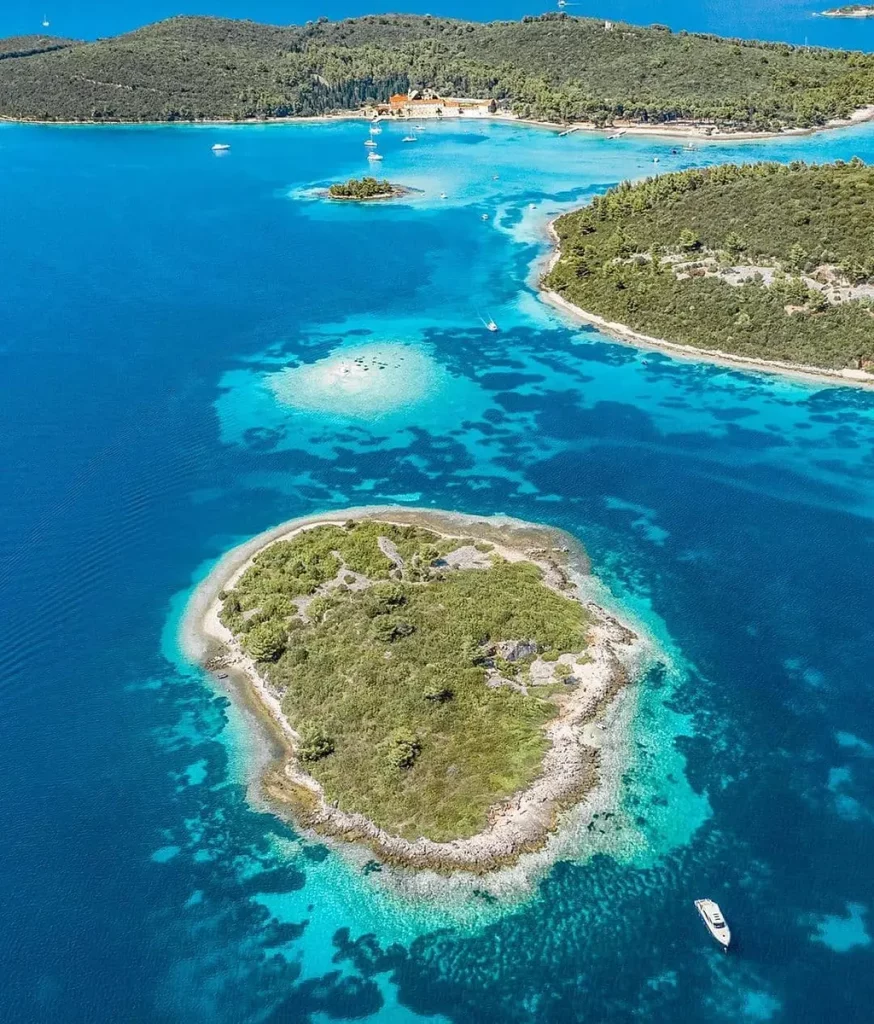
[553, 66]
[761, 260]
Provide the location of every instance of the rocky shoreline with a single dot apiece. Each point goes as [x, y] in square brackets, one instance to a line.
[627, 335]
[520, 825]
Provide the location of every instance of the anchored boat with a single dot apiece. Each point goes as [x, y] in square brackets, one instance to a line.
[711, 915]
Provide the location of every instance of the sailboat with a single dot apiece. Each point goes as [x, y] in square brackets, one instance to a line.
[409, 138]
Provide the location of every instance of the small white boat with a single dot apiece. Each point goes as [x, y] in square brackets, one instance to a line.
[716, 923]
[409, 138]
[443, 195]
[370, 143]
[45, 21]
[485, 216]
[220, 147]
[375, 131]
[374, 156]
[489, 324]
[655, 159]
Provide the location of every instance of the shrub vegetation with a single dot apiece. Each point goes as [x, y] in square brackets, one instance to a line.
[796, 219]
[385, 680]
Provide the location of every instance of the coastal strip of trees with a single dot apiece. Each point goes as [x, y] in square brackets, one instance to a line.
[759, 260]
[553, 67]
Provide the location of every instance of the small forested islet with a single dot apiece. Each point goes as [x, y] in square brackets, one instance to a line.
[365, 188]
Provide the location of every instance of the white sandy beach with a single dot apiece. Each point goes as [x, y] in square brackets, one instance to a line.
[688, 131]
[621, 332]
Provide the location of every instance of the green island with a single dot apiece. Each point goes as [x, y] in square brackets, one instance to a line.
[553, 67]
[760, 261]
[423, 682]
[366, 188]
[850, 11]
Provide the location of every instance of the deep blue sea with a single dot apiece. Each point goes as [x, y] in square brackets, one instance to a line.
[165, 315]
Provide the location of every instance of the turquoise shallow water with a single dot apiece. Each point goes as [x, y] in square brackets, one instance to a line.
[175, 331]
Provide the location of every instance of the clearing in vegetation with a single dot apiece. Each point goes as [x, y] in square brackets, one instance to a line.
[759, 260]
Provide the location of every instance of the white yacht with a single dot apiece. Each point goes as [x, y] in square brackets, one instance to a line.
[716, 923]
[374, 156]
[45, 21]
[409, 138]
[370, 143]
[220, 147]
[443, 195]
[484, 217]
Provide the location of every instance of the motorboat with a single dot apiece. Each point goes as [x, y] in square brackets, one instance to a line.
[489, 324]
[716, 924]
[374, 156]
[220, 147]
[370, 143]
[484, 217]
[409, 138]
[443, 195]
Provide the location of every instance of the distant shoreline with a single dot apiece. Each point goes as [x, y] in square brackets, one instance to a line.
[519, 826]
[850, 11]
[626, 334]
[697, 131]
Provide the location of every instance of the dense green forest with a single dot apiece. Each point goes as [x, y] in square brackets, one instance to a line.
[658, 256]
[382, 669]
[553, 66]
[362, 188]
